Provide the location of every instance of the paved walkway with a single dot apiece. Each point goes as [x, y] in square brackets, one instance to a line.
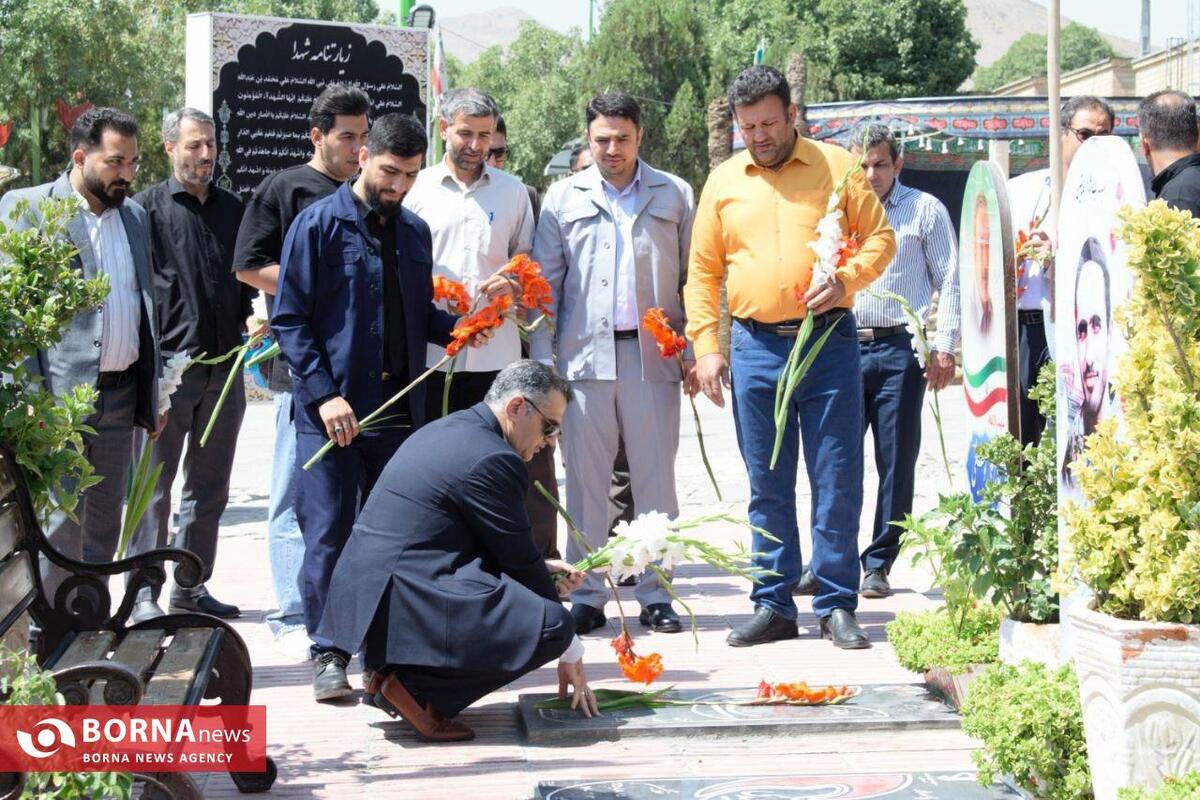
[356, 751]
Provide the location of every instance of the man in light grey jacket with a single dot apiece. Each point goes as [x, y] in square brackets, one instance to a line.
[613, 242]
[114, 346]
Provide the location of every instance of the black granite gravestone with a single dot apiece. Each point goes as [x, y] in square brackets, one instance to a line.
[262, 98]
[717, 713]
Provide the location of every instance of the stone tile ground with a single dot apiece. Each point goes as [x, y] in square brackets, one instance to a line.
[357, 751]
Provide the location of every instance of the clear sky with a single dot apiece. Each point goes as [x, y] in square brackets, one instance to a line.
[1117, 17]
[1123, 18]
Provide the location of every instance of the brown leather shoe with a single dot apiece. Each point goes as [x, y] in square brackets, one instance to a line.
[431, 726]
[372, 682]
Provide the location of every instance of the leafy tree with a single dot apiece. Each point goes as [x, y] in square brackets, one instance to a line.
[669, 36]
[684, 138]
[537, 84]
[734, 29]
[904, 48]
[1080, 46]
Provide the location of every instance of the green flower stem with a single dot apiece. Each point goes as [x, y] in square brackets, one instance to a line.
[793, 374]
[265, 355]
[374, 415]
[937, 421]
[235, 371]
[700, 439]
[446, 386]
[141, 490]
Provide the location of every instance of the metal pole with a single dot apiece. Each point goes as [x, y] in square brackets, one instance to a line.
[403, 9]
[591, 19]
[1054, 101]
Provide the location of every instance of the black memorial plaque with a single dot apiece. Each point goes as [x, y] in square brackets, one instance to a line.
[722, 713]
[262, 98]
[879, 786]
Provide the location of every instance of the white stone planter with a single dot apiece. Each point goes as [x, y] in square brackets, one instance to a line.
[1140, 687]
[1031, 641]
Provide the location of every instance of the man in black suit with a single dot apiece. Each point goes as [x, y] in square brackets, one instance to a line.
[443, 549]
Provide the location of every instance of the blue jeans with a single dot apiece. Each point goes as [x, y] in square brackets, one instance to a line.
[285, 545]
[893, 396]
[828, 404]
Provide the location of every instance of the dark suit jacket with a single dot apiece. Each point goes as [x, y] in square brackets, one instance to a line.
[444, 540]
[75, 359]
[328, 314]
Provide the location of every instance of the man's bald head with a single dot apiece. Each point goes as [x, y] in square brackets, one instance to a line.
[1167, 121]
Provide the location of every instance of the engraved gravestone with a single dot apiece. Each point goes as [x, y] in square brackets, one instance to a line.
[258, 77]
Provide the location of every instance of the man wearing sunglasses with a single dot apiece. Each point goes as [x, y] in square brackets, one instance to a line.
[1081, 118]
[443, 548]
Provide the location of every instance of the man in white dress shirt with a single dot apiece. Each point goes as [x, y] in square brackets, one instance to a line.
[480, 217]
[114, 346]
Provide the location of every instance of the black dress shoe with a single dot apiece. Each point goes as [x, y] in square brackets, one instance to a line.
[765, 626]
[628, 580]
[808, 583]
[844, 630]
[661, 618]
[587, 618]
[875, 584]
[329, 676]
[144, 610]
[200, 601]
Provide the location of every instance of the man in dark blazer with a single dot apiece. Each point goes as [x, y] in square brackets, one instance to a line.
[352, 316]
[114, 346]
[441, 582]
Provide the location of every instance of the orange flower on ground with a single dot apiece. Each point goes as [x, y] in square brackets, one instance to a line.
[453, 292]
[639, 669]
[780, 692]
[535, 289]
[670, 344]
[486, 318]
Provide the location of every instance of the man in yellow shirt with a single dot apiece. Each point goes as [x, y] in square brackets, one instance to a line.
[756, 218]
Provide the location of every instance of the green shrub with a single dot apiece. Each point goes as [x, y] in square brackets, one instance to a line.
[24, 683]
[934, 639]
[1185, 787]
[1031, 724]
[40, 293]
[1134, 543]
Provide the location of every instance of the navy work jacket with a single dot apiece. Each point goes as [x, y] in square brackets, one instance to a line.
[328, 314]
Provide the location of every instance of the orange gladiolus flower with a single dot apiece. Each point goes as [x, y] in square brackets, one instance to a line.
[536, 293]
[780, 692]
[486, 318]
[670, 344]
[849, 248]
[453, 292]
[640, 669]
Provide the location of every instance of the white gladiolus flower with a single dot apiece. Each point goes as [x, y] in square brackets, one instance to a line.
[171, 379]
[674, 554]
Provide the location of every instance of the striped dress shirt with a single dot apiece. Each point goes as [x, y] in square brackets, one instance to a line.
[122, 309]
[926, 260]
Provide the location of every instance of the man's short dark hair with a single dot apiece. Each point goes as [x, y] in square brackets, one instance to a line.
[1074, 105]
[91, 125]
[872, 134]
[754, 83]
[337, 99]
[1167, 120]
[397, 134]
[615, 104]
[576, 152]
[501, 128]
[530, 379]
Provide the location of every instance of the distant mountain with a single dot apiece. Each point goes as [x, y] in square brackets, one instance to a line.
[466, 36]
[996, 24]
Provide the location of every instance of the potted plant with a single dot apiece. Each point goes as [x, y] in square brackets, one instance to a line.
[1029, 720]
[1135, 541]
[1185, 787]
[948, 645]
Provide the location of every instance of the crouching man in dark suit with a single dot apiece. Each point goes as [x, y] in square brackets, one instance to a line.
[440, 582]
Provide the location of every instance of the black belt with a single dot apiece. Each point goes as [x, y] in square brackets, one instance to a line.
[871, 334]
[790, 327]
[1032, 316]
[107, 380]
[629, 334]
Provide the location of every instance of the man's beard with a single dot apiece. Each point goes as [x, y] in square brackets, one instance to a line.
[191, 175]
[459, 160]
[384, 208]
[110, 196]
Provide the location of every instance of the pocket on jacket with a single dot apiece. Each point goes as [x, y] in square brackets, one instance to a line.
[466, 587]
